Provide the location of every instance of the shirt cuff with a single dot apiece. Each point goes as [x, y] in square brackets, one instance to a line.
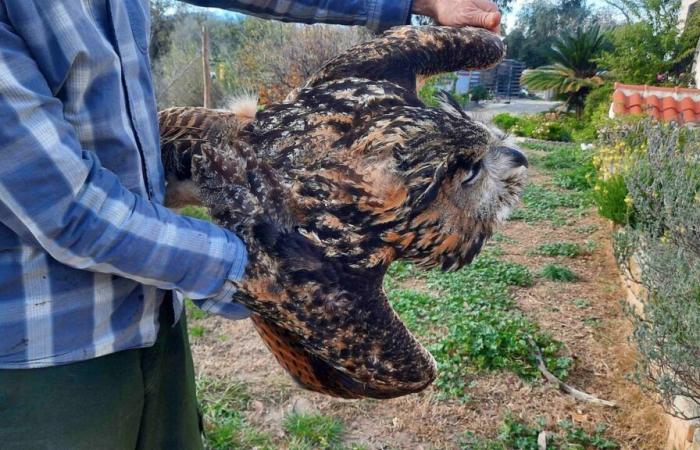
[229, 310]
[222, 303]
[240, 259]
[384, 14]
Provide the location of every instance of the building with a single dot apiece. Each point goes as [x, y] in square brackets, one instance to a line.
[502, 80]
[691, 9]
[687, 7]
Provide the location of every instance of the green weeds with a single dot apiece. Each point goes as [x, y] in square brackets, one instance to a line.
[568, 249]
[540, 203]
[515, 434]
[554, 272]
[223, 407]
[313, 431]
[471, 324]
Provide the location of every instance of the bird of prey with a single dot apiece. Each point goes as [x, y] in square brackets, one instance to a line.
[350, 173]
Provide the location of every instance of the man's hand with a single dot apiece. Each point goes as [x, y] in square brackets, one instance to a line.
[460, 13]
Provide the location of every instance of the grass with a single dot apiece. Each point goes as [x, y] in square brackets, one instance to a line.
[567, 249]
[572, 171]
[313, 431]
[193, 311]
[555, 272]
[516, 434]
[470, 322]
[582, 303]
[540, 203]
[224, 406]
[196, 330]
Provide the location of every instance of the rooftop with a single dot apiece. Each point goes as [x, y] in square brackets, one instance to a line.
[681, 105]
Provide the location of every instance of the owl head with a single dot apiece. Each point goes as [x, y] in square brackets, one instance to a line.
[460, 180]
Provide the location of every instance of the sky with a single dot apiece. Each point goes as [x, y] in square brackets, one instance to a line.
[518, 4]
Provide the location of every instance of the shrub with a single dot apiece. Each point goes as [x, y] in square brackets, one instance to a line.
[428, 93]
[613, 162]
[597, 104]
[479, 93]
[612, 199]
[505, 121]
[554, 272]
[664, 187]
[552, 131]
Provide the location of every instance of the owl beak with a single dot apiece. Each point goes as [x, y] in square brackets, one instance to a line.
[516, 156]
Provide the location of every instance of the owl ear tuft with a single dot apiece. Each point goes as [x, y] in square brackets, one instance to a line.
[450, 105]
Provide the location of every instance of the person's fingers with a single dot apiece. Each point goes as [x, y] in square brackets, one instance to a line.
[486, 5]
[489, 20]
[497, 21]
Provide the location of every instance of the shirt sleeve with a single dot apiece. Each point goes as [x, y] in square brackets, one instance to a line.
[56, 195]
[376, 15]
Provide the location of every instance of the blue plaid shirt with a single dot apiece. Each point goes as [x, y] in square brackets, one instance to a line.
[86, 249]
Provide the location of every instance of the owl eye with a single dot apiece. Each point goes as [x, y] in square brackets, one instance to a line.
[471, 175]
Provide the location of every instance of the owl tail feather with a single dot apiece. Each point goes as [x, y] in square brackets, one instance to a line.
[402, 53]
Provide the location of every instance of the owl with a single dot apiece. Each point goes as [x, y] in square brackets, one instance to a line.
[349, 174]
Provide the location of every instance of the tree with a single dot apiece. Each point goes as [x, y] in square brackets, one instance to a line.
[574, 72]
[479, 93]
[274, 58]
[687, 47]
[645, 50]
[539, 24]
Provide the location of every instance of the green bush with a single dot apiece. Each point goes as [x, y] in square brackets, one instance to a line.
[554, 272]
[664, 187]
[611, 198]
[428, 93]
[505, 121]
[598, 104]
[479, 93]
[552, 131]
[522, 126]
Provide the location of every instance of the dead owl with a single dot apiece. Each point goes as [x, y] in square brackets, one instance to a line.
[328, 188]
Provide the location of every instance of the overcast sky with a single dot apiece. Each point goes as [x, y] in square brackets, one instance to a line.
[517, 4]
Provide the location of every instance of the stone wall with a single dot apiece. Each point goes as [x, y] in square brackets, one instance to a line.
[682, 434]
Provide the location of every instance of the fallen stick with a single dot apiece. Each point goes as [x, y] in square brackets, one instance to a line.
[567, 389]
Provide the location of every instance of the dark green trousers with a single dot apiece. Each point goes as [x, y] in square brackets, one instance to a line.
[135, 399]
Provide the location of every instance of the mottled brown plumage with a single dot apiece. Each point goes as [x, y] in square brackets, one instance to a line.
[350, 173]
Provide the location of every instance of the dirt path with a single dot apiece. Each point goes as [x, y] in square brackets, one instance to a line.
[585, 315]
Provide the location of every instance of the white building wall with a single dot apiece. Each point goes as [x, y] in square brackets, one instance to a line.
[685, 6]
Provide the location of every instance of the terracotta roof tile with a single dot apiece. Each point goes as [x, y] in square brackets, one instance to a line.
[680, 105]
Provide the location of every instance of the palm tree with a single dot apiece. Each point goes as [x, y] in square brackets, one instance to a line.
[573, 72]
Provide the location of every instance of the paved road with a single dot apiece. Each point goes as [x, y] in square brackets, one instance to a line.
[517, 106]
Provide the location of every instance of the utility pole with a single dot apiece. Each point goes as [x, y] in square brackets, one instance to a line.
[206, 71]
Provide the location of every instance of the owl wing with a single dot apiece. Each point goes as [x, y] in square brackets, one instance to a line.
[401, 53]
